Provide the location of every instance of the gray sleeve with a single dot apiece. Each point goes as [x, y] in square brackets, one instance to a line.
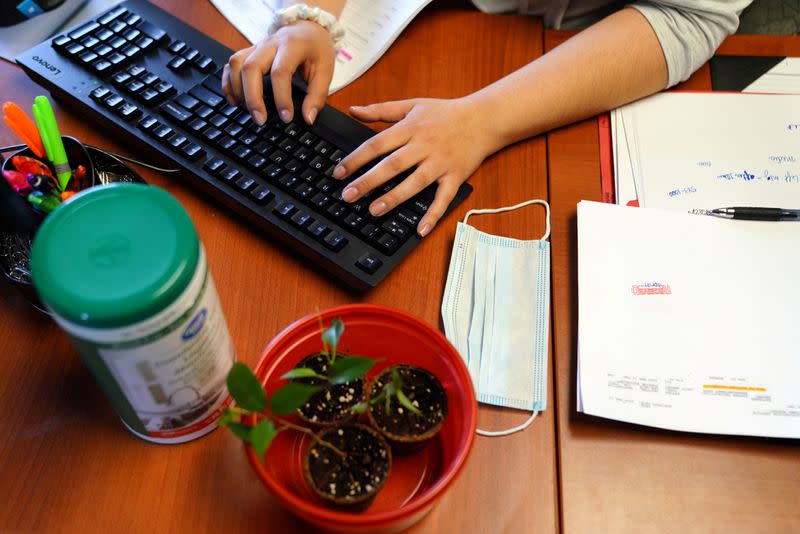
[690, 30]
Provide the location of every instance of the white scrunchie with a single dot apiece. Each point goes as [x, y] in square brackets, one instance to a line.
[284, 17]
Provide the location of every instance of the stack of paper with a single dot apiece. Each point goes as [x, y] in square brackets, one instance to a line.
[700, 151]
[688, 323]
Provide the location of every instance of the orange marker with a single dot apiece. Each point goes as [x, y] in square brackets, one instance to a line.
[24, 127]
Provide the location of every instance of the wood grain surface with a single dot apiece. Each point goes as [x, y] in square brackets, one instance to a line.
[69, 465]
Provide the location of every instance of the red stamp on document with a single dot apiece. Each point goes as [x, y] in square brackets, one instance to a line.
[651, 288]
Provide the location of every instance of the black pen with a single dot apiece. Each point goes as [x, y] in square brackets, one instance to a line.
[757, 214]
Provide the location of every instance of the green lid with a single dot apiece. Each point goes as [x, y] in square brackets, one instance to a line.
[114, 255]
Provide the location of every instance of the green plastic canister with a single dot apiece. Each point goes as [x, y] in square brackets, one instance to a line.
[123, 272]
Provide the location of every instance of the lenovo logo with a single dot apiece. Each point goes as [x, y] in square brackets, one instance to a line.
[48, 66]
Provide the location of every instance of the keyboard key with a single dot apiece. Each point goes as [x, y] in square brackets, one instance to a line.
[288, 145]
[117, 42]
[104, 35]
[162, 132]
[150, 78]
[152, 31]
[121, 78]
[292, 130]
[247, 137]
[214, 165]
[242, 152]
[369, 230]
[304, 191]
[323, 149]
[388, 243]
[113, 101]
[136, 70]
[245, 183]
[204, 112]
[353, 221]
[233, 130]
[60, 42]
[165, 89]
[134, 86]
[116, 58]
[177, 63]
[285, 210]
[117, 26]
[256, 161]
[205, 96]
[190, 53]
[175, 111]
[112, 15]
[84, 30]
[74, 49]
[418, 205]
[218, 120]
[176, 47]
[145, 43]
[177, 140]
[131, 34]
[132, 18]
[149, 96]
[273, 171]
[369, 263]
[338, 211]
[262, 194]
[318, 164]
[292, 165]
[326, 185]
[187, 101]
[103, 50]
[226, 143]
[205, 63]
[131, 51]
[89, 41]
[88, 56]
[335, 241]
[288, 181]
[320, 200]
[337, 155]
[399, 230]
[303, 153]
[407, 216]
[194, 152]
[301, 219]
[99, 93]
[278, 157]
[211, 133]
[129, 111]
[317, 229]
[229, 174]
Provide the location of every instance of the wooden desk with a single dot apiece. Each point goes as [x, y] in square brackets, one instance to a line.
[616, 477]
[67, 462]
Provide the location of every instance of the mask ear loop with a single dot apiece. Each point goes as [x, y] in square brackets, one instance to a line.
[527, 423]
[517, 206]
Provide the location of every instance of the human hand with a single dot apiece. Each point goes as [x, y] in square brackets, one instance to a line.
[445, 139]
[303, 44]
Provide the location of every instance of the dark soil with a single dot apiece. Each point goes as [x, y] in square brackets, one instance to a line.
[424, 391]
[352, 480]
[332, 404]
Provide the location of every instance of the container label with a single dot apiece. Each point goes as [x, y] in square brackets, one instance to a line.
[178, 378]
[171, 368]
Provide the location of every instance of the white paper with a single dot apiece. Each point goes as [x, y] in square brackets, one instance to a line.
[688, 323]
[371, 26]
[699, 151]
[20, 37]
[782, 78]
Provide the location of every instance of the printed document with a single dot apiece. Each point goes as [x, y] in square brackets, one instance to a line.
[371, 26]
[700, 151]
[688, 322]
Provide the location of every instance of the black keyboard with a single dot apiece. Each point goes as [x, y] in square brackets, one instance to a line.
[145, 74]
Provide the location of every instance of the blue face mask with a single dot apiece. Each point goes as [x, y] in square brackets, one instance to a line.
[496, 313]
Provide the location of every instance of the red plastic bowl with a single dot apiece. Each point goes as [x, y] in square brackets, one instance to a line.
[416, 481]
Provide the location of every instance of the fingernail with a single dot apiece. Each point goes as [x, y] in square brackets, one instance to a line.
[378, 208]
[312, 114]
[349, 194]
[286, 115]
[338, 172]
[424, 230]
[258, 117]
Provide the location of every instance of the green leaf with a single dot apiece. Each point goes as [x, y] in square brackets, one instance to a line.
[407, 403]
[262, 435]
[291, 397]
[227, 417]
[303, 372]
[245, 388]
[361, 407]
[243, 432]
[347, 369]
[397, 380]
[332, 334]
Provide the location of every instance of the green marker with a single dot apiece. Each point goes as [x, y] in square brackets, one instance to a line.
[43, 203]
[51, 138]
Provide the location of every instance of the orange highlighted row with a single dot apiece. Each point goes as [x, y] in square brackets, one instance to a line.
[733, 388]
